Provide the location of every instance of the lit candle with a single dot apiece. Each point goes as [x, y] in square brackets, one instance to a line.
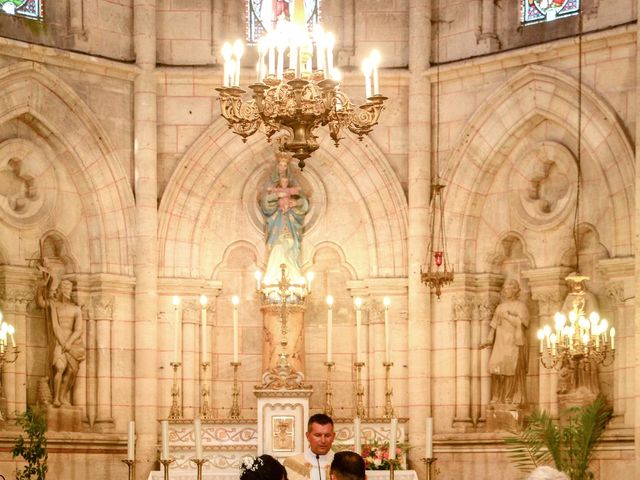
[612, 334]
[393, 432]
[226, 55]
[258, 277]
[318, 34]
[165, 440]
[231, 70]
[387, 333]
[11, 330]
[281, 48]
[238, 50]
[272, 56]
[131, 441]
[203, 315]
[375, 63]
[358, 302]
[428, 451]
[357, 441]
[262, 48]
[540, 336]
[330, 41]
[235, 300]
[366, 69]
[197, 432]
[310, 277]
[329, 328]
[176, 329]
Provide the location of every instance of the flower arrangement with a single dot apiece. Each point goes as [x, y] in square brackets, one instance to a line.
[376, 456]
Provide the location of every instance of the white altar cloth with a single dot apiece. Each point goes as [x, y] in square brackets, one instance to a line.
[191, 475]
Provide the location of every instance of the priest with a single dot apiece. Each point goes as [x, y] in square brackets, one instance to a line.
[314, 463]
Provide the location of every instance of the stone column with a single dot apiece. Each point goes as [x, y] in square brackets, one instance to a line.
[463, 307]
[615, 291]
[488, 38]
[217, 13]
[103, 316]
[146, 240]
[549, 289]
[419, 180]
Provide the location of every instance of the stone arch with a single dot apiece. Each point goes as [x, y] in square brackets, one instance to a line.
[511, 247]
[80, 144]
[333, 247]
[233, 248]
[533, 95]
[590, 249]
[211, 170]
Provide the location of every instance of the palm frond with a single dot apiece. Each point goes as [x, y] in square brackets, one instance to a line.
[529, 447]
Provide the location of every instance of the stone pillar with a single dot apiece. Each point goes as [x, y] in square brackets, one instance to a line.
[217, 13]
[549, 289]
[463, 307]
[146, 237]
[488, 38]
[419, 342]
[615, 291]
[103, 315]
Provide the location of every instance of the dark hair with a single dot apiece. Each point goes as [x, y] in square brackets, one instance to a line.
[347, 465]
[320, 419]
[264, 467]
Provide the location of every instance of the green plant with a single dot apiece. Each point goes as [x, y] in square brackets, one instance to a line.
[567, 443]
[34, 449]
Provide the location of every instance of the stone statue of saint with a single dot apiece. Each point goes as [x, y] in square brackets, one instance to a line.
[65, 335]
[509, 356]
[284, 207]
[576, 379]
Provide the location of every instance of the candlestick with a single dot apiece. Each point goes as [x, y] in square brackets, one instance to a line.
[360, 409]
[328, 394]
[357, 441]
[234, 411]
[131, 465]
[358, 303]
[388, 405]
[174, 412]
[428, 451]
[235, 300]
[205, 411]
[199, 462]
[197, 433]
[428, 461]
[176, 328]
[165, 440]
[203, 315]
[131, 441]
[393, 432]
[387, 333]
[165, 463]
[329, 329]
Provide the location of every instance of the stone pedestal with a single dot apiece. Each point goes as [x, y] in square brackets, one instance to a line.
[502, 417]
[64, 419]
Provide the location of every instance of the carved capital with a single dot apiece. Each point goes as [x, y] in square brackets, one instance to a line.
[463, 307]
[102, 306]
[17, 296]
[486, 309]
[549, 300]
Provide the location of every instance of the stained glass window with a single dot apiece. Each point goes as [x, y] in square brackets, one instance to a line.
[23, 8]
[534, 11]
[264, 15]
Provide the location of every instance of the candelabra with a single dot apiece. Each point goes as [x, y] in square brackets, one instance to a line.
[428, 462]
[199, 462]
[174, 412]
[360, 409]
[298, 99]
[582, 342]
[388, 404]
[234, 412]
[391, 471]
[328, 395]
[205, 410]
[165, 463]
[131, 464]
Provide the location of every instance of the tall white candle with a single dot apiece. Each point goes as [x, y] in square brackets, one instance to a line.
[358, 303]
[280, 67]
[387, 333]
[393, 433]
[357, 440]
[375, 62]
[131, 441]
[428, 433]
[227, 50]
[258, 277]
[272, 58]
[330, 41]
[329, 328]
[366, 69]
[197, 432]
[238, 51]
[176, 329]
[165, 439]
[235, 300]
[205, 339]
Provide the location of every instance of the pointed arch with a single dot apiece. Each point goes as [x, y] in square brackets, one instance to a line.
[82, 146]
[214, 169]
[533, 95]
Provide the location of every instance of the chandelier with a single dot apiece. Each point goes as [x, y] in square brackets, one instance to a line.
[299, 98]
[581, 340]
[439, 271]
[584, 340]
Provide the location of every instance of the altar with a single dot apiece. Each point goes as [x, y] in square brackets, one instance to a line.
[371, 475]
